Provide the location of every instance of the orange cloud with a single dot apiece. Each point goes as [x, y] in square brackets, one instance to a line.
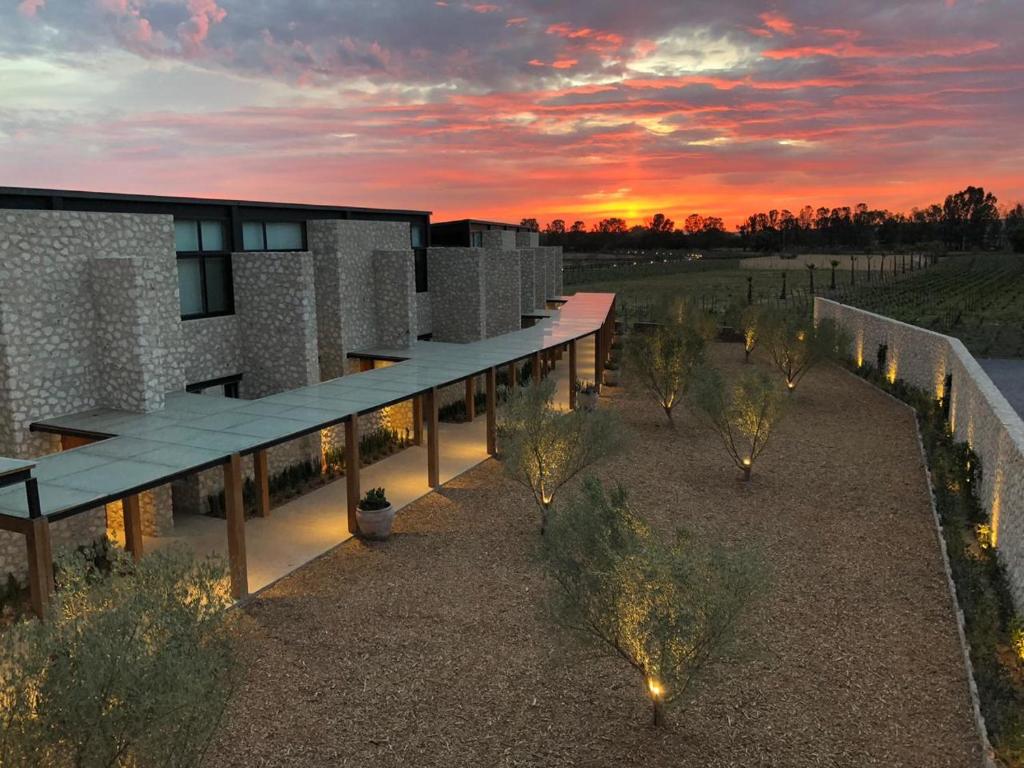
[29, 8]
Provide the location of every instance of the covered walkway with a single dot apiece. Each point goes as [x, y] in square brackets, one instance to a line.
[137, 452]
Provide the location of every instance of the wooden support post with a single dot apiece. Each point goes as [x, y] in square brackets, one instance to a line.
[35, 512]
[598, 359]
[131, 510]
[261, 477]
[40, 564]
[417, 420]
[471, 398]
[537, 372]
[492, 416]
[352, 471]
[235, 509]
[513, 379]
[433, 458]
[572, 375]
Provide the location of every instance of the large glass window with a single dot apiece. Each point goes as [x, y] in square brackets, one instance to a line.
[273, 236]
[416, 235]
[204, 268]
[476, 239]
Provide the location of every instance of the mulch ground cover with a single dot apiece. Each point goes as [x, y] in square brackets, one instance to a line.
[434, 648]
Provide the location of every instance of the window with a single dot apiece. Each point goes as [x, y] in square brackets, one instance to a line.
[204, 268]
[420, 259]
[273, 236]
[476, 239]
[223, 387]
[416, 235]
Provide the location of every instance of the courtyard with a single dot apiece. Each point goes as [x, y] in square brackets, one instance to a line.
[434, 648]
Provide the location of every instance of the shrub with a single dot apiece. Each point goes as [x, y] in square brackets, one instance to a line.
[133, 667]
[374, 499]
[543, 448]
[796, 344]
[742, 414]
[668, 610]
[664, 358]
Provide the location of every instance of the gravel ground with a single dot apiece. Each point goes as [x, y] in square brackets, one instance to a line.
[433, 649]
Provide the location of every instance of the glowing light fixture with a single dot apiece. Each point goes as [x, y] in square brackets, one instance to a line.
[655, 688]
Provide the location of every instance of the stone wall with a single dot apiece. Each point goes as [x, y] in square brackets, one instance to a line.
[527, 280]
[276, 307]
[979, 414]
[498, 239]
[502, 291]
[394, 284]
[65, 333]
[457, 289]
[540, 278]
[527, 239]
[424, 315]
[214, 348]
[344, 263]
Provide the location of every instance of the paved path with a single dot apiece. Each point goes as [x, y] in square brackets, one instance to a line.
[1008, 375]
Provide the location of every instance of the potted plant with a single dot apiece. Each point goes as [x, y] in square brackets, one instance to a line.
[375, 515]
[586, 396]
[611, 372]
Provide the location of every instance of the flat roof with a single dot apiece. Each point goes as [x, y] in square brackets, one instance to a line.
[14, 471]
[195, 432]
[124, 197]
[483, 221]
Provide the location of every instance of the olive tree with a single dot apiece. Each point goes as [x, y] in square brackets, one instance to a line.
[668, 609]
[795, 345]
[130, 667]
[750, 323]
[664, 358]
[543, 448]
[743, 413]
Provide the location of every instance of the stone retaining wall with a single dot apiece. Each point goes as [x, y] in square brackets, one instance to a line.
[979, 414]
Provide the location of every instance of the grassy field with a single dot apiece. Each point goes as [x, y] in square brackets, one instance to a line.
[977, 298]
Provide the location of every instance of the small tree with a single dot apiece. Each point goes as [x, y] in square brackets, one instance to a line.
[796, 345]
[667, 610]
[810, 273]
[750, 322]
[130, 667]
[664, 358]
[743, 414]
[544, 448]
[834, 263]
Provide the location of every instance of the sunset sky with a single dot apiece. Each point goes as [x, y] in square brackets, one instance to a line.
[522, 108]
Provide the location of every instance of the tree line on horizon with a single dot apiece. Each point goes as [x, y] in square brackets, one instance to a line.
[966, 220]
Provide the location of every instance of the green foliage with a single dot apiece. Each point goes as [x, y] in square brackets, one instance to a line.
[668, 609]
[456, 413]
[132, 667]
[796, 344]
[743, 412]
[544, 448]
[374, 499]
[663, 358]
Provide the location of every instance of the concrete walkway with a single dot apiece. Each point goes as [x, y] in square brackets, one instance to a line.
[1008, 375]
[306, 527]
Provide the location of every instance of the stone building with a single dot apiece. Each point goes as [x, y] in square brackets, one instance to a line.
[114, 301]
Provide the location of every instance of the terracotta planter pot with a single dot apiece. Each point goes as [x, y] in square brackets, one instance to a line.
[375, 523]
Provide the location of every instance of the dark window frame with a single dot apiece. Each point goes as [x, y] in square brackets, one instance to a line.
[263, 225]
[230, 384]
[202, 256]
[419, 256]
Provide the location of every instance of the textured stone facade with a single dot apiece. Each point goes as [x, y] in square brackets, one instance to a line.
[424, 314]
[979, 414]
[87, 292]
[275, 303]
[528, 280]
[502, 291]
[457, 291]
[344, 262]
[527, 239]
[498, 239]
[396, 310]
[214, 349]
